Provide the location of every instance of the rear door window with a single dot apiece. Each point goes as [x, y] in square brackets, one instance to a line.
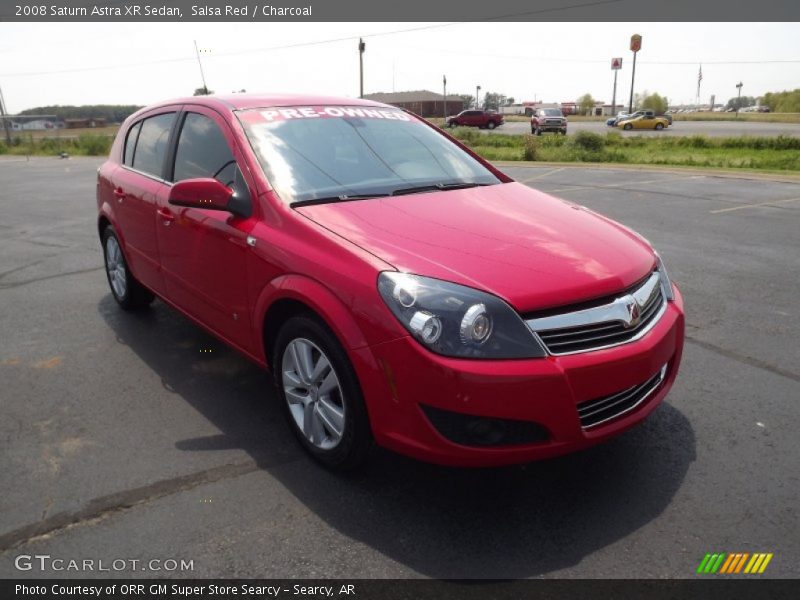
[151, 147]
[130, 144]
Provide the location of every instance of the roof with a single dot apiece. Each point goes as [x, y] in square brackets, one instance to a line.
[415, 96]
[231, 102]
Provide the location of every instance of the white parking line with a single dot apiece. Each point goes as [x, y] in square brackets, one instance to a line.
[616, 185]
[541, 175]
[743, 206]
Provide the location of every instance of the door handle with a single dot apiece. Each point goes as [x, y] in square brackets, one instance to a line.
[166, 216]
[120, 195]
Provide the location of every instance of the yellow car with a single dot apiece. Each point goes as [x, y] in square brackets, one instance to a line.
[644, 122]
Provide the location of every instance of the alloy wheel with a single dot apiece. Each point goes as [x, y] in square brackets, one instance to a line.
[313, 393]
[115, 265]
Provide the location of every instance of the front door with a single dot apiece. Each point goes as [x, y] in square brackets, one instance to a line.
[204, 252]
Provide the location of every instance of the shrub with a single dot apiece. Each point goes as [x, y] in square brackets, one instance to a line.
[94, 145]
[586, 140]
[530, 148]
[3, 148]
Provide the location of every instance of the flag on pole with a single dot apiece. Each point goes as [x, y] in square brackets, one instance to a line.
[699, 79]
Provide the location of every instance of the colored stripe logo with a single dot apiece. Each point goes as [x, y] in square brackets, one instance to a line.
[734, 563]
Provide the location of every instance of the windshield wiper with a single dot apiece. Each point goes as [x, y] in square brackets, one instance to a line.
[340, 198]
[437, 187]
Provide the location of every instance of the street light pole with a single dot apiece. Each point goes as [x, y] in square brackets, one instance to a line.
[739, 98]
[361, 47]
[6, 124]
[444, 96]
[477, 96]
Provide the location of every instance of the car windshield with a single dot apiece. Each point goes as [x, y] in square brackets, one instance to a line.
[551, 112]
[338, 152]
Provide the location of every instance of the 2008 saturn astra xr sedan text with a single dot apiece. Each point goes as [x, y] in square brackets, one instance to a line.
[401, 289]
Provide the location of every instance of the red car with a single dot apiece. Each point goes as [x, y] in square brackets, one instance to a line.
[475, 118]
[401, 290]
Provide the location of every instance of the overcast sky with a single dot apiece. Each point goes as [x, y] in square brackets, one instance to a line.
[74, 63]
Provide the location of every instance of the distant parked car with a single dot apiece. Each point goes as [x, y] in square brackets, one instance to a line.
[646, 121]
[476, 118]
[548, 119]
[612, 122]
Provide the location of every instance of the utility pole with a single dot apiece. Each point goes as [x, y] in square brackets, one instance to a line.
[739, 98]
[6, 124]
[361, 47]
[636, 45]
[477, 95]
[202, 75]
[444, 96]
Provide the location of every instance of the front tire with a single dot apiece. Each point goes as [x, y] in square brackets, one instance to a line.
[320, 394]
[627, 127]
[659, 126]
[491, 125]
[127, 291]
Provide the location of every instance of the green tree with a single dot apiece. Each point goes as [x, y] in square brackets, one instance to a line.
[737, 103]
[785, 101]
[655, 102]
[493, 101]
[586, 104]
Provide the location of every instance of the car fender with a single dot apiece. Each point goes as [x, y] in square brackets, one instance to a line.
[318, 298]
[107, 211]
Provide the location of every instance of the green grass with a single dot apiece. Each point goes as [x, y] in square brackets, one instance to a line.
[84, 144]
[780, 153]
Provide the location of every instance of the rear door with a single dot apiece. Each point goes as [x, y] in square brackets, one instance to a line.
[137, 185]
[204, 252]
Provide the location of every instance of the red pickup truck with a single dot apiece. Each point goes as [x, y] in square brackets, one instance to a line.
[476, 118]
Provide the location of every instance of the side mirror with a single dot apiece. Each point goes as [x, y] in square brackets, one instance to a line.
[201, 193]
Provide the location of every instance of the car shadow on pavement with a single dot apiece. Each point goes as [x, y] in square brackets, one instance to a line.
[510, 522]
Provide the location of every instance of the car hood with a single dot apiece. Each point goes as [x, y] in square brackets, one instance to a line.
[533, 250]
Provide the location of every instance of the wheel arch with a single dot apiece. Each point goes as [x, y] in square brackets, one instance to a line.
[291, 295]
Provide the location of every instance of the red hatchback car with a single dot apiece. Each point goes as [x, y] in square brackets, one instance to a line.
[401, 289]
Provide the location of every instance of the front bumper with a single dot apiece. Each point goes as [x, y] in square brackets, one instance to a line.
[401, 380]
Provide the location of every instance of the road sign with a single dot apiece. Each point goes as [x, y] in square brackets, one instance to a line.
[636, 42]
[616, 64]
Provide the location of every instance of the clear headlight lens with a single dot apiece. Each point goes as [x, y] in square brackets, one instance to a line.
[454, 320]
[666, 284]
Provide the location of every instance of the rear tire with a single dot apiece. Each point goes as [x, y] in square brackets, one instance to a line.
[538, 131]
[127, 291]
[320, 394]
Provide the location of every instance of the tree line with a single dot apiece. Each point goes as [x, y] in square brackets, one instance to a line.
[112, 113]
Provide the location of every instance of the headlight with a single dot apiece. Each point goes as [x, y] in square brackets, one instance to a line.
[666, 284]
[455, 320]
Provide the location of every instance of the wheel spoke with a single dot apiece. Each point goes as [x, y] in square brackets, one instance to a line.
[330, 383]
[290, 377]
[308, 418]
[317, 427]
[320, 369]
[294, 396]
[332, 416]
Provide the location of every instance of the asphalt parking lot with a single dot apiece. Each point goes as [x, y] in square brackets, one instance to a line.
[139, 436]
[678, 128]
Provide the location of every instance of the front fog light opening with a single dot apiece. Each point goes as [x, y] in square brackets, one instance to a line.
[476, 326]
[426, 326]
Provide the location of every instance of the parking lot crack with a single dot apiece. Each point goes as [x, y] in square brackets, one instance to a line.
[100, 508]
[748, 360]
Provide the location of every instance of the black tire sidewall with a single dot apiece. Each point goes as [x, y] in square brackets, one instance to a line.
[356, 440]
[136, 295]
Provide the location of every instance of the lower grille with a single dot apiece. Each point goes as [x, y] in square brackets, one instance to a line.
[600, 410]
[472, 430]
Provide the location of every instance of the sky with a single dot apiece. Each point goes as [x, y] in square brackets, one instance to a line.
[141, 63]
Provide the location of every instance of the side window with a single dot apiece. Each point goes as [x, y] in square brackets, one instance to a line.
[130, 144]
[152, 145]
[203, 151]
